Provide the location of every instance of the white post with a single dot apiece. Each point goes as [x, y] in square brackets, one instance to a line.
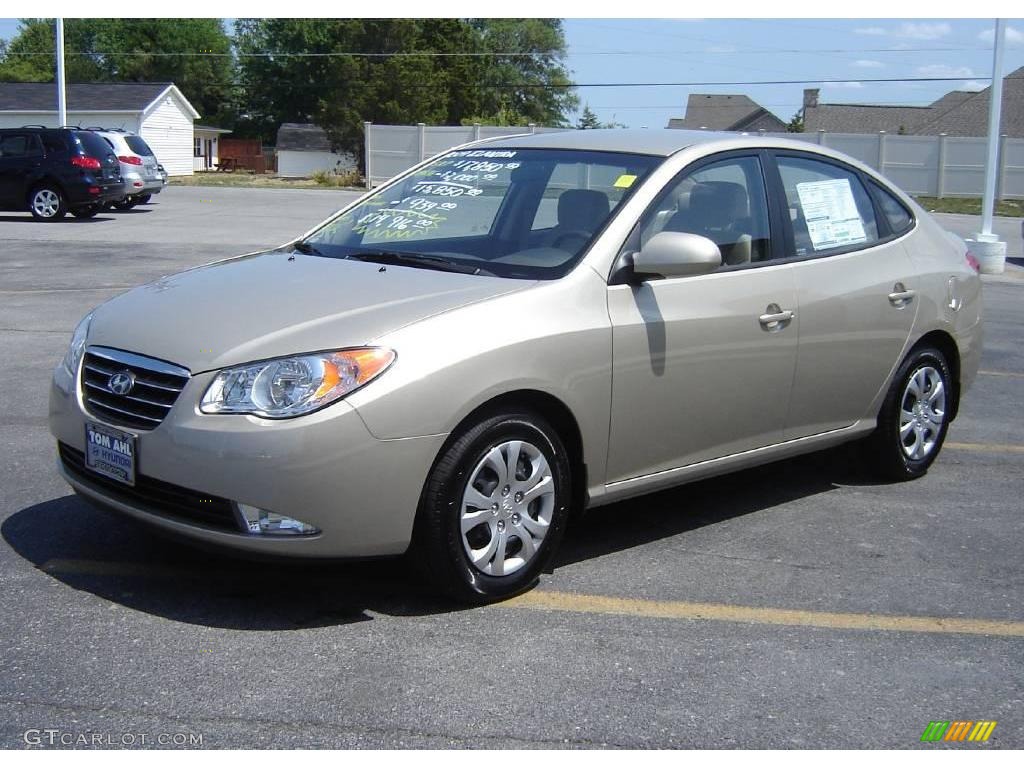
[985, 245]
[940, 178]
[368, 152]
[421, 139]
[881, 152]
[62, 103]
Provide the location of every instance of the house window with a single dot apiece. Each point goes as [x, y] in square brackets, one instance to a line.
[197, 147]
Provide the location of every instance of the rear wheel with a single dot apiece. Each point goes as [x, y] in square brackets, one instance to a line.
[87, 211]
[494, 508]
[47, 203]
[914, 419]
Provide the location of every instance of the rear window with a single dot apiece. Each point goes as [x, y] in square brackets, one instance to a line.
[138, 146]
[92, 144]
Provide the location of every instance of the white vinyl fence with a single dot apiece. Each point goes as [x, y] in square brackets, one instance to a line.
[935, 166]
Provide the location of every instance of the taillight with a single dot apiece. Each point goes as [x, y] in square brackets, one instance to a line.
[130, 159]
[88, 163]
[973, 262]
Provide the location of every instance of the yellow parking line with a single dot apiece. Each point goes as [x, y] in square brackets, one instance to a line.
[1010, 374]
[662, 609]
[984, 447]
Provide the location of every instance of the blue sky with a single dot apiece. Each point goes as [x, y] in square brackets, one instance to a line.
[744, 50]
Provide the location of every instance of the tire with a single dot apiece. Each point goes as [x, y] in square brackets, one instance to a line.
[124, 205]
[474, 467]
[46, 203]
[143, 199]
[914, 418]
[87, 211]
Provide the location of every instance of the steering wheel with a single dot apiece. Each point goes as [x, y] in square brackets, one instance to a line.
[580, 233]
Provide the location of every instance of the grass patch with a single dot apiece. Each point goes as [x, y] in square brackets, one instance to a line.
[969, 205]
[259, 180]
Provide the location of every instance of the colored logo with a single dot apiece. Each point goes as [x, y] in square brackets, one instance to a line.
[958, 730]
[121, 383]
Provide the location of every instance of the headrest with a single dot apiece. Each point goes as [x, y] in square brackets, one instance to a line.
[582, 209]
[718, 203]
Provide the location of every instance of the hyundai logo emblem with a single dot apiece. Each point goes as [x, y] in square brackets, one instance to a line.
[121, 383]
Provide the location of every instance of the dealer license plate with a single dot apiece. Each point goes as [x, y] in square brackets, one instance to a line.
[110, 452]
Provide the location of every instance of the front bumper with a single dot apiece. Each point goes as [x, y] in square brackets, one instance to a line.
[324, 469]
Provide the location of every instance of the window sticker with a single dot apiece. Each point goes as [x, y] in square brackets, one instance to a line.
[625, 181]
[831, 213]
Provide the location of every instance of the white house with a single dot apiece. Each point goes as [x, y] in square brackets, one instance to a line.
[303, 149]
[206, 146]
[156, 111]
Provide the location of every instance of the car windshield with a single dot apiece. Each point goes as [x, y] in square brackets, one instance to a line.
[524, 213]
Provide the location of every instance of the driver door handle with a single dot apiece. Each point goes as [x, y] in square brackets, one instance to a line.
[775, 318]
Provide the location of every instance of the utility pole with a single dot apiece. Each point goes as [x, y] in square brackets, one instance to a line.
[985, 245]
[62, 102]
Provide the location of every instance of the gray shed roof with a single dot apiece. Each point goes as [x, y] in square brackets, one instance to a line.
[722, 112]
[302, 137]
[82, 97]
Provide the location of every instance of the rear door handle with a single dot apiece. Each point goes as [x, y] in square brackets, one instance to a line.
[775, 318]
[901, 296]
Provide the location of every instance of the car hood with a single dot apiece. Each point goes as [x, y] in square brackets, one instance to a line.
[275, 303]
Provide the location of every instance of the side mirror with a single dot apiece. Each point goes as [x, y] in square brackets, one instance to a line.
[676, 254]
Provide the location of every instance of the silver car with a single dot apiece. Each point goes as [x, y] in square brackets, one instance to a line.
[516, 331]
[143, 175]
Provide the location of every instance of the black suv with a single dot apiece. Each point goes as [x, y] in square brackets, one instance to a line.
[50, 171]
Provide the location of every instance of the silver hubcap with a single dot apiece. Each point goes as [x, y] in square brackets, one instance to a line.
[46, 203]
[506, 508]
[922, 413]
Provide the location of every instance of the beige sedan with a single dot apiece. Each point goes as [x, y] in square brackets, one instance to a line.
[516, 331]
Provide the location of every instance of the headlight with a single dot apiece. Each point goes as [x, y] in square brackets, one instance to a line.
[292, 386]
[74, 354]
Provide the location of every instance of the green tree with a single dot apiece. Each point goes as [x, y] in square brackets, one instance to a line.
[194, 54]
[342, 86]
[588, 119]
[796, 124]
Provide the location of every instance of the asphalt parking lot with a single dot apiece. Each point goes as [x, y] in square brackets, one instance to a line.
[796, 605]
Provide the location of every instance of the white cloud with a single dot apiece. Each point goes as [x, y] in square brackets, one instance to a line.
[973, 85]
[1014, 36]
[944, 70]
[846, 84]
[868, 64]
[924, 30]
[910, 30]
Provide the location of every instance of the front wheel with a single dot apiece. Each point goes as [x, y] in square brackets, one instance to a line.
[494, 508]
[914, 418]
[143, 199]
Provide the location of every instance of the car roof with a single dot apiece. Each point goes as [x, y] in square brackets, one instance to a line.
[659, 141]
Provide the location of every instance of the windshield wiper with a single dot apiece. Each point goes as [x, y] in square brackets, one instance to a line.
[424, 260]
[307, 248]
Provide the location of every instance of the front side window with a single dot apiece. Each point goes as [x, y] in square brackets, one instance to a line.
[828, 206]
[725, 202]
[510, 212]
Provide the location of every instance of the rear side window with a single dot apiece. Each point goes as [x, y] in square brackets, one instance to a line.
[138, 146]
[828, 206]
[896, 214]
[53, 142]
[93, 145]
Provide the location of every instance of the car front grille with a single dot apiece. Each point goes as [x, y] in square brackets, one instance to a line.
[154, 495]
[155, 386]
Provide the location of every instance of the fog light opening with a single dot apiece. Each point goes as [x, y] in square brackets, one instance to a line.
[263, 522]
